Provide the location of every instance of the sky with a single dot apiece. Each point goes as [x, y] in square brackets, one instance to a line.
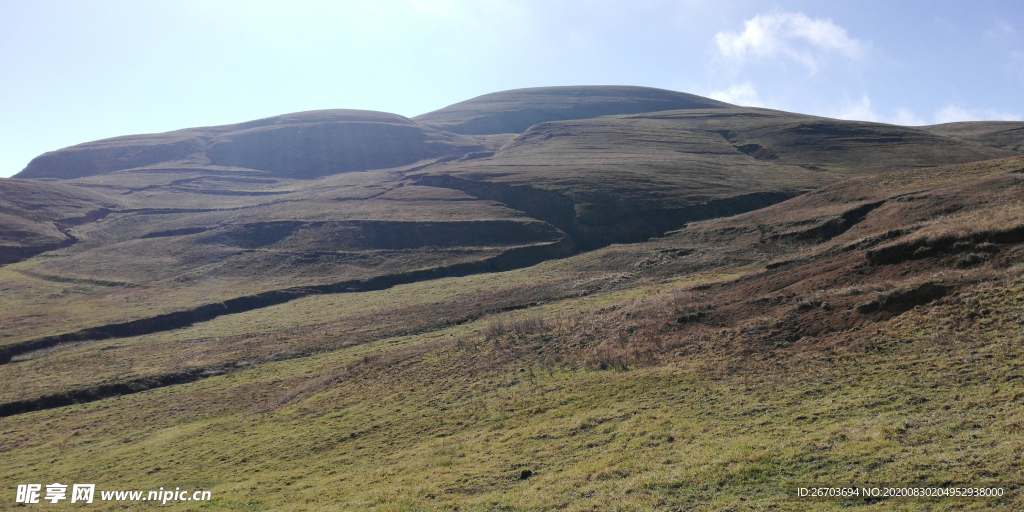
[76, 71]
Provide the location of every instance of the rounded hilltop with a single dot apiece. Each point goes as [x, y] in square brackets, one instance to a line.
[516, 110]
[302, 145]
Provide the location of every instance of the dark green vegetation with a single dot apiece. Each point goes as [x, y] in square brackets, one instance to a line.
[694, 309]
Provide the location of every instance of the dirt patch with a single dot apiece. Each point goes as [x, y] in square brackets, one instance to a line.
[91, 394]
[977, 242]
[898, 301]
[757, 151]
[835, 227]
[175, 232]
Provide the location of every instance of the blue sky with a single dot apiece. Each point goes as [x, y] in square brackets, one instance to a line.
[75, 71]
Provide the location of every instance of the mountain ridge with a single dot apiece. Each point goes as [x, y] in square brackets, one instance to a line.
[305, 144]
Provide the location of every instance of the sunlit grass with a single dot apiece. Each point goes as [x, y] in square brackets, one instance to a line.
[920, 404]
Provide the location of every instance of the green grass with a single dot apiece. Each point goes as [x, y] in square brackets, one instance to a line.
[343, 227]
[431, 424]
[329, 322]
[584, 371]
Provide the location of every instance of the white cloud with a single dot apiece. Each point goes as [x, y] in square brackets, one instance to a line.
[863, 111]
[1001, 30]
[953, 113]
[740, 94]
[1015, 63]
[1006, 38]
[858, 111]
[796, 36]
[906, 117]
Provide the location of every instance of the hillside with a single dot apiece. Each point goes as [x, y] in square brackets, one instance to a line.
[996, 134]
[626, 178]
[35, 217]
[515, 111]
[696, 308]
[188, 238]
[182, 242]
[302, 145]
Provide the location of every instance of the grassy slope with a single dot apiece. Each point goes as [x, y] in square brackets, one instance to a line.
[34, 215]
[302, 144]
[997, 134]
[613, 402]
[184, 235]
[313, 323]
[516, 110]
[170, 248]
[455, 426]
[628, 174]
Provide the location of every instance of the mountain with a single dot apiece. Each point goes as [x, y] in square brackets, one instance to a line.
[627, 178]
[996, 134]
[560, 298]
[304, 145]
[320, 201]
[515, 111]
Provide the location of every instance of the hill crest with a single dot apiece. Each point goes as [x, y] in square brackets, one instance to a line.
[516, 110]
[304, 145]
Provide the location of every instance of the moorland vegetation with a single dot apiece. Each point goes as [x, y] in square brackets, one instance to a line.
[579, 298]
